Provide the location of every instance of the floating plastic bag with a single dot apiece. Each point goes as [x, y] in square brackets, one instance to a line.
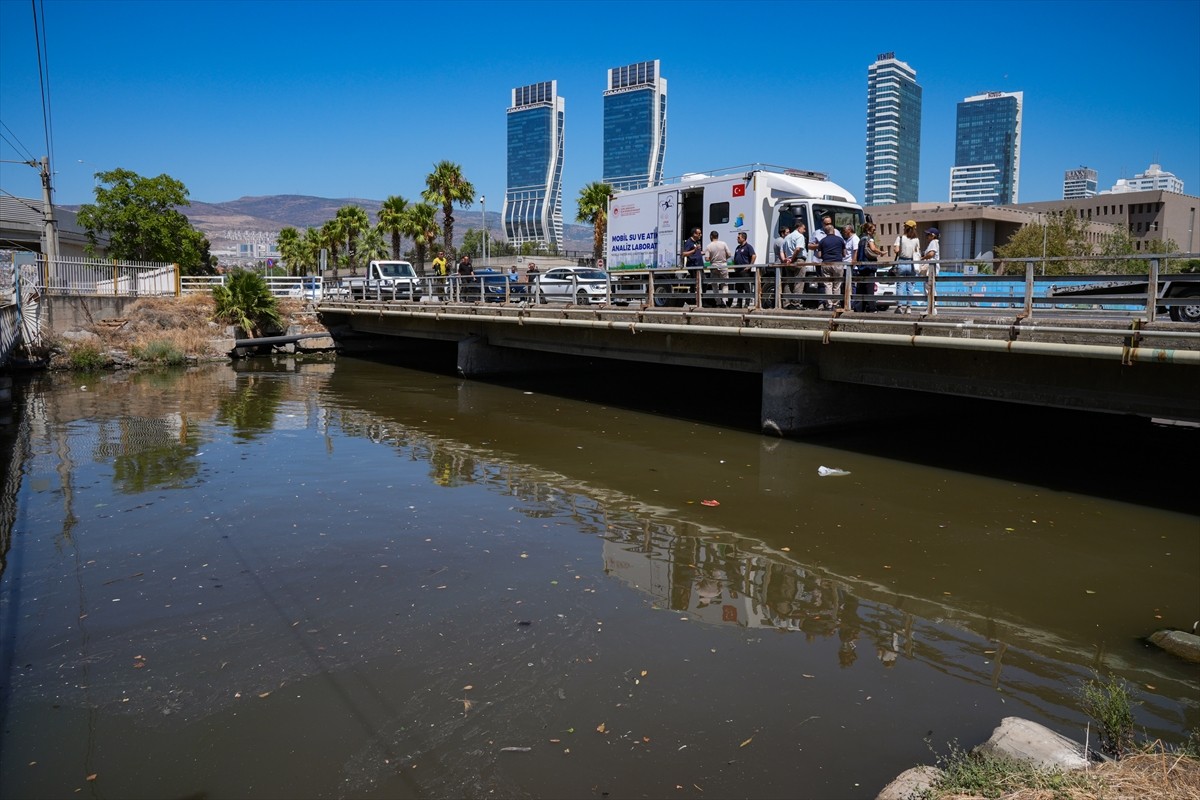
[825, 472]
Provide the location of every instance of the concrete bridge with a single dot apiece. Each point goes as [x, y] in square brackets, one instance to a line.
[818, 369]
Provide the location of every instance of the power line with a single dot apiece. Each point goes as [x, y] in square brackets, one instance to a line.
[16, 144]
[43, 75]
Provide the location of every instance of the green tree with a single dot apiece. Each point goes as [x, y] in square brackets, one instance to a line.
[593, 208]
[313, 245]
[472, 242]
[353, 222]
[391, 220]
[446, 186]
[419, 225]
[372, 246]
[331, 240]
[246, 301]
[142, 220]
[291, 249]
[1062, 235]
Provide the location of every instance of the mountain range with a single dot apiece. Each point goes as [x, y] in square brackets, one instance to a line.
[250, 219]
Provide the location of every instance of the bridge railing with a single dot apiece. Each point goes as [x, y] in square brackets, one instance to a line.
[1145, 286]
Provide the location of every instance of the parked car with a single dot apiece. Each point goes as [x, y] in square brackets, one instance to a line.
[493, 284]
[579, 285]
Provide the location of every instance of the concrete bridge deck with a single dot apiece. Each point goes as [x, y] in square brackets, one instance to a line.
[821, 369]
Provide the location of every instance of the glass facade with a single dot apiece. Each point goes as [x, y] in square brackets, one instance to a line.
[893, 132]
[533, 199]
[987, 150]
[635, 126]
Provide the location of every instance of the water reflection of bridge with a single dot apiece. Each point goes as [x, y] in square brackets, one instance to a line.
[715, 576]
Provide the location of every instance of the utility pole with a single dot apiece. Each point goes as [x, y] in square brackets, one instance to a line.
[49, 229]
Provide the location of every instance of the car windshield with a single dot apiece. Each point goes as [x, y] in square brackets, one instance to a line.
[396, 270]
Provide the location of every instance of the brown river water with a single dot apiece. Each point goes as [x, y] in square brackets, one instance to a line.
[307, 578]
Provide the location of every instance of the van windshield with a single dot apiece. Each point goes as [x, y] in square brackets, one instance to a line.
[394, 269]
[842, 216]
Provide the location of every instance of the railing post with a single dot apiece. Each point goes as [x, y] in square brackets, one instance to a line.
[931, 286]
[1152, 291]
[650, 288]
[1029, 288]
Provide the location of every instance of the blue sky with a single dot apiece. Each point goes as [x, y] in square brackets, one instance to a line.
[359, 99]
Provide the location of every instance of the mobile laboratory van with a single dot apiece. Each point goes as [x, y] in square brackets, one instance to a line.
[647, 227]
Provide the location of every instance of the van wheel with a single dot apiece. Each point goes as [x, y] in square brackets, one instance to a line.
[1189, 312]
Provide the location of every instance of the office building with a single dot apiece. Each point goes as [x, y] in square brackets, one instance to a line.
[893, 132]
[1079, 183]
[987, 150]
[533, 200]
[1153, 179]
[635, 126]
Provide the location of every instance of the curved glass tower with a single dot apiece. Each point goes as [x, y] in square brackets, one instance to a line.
[533, 200]
[635, 126]
[893, 132]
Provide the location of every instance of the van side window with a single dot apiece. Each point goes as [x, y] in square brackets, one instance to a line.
[718, 213]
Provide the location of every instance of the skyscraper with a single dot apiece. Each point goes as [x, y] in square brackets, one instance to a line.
[987, 149]
[635, 126]
[1079, 183]
[893, 132]
[533, 200]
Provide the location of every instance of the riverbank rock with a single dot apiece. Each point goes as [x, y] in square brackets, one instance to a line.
[1184, 645]
[910, 783]
[1036, 744]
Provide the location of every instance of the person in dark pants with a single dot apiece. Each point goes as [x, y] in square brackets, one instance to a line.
[743, 257]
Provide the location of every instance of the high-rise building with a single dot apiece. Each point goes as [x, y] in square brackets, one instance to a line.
[533, 199]
[893, 132]
[635, 126]
[1079, 183]
[1153, 179]
[987, 149]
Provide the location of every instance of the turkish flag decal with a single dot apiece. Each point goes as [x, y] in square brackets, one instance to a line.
[739, 190]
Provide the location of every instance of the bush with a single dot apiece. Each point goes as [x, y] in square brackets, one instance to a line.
[246, 301]
[990, 775]
[159, 352]
[1110, 703]
[85, 357]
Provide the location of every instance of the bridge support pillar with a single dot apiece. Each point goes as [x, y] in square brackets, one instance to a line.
[795, 401]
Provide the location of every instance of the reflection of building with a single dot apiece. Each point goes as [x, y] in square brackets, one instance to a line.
[635, 126]
[1152, 179]
[1079, 183]
[987, 149]
[533, 200]
[893, 132]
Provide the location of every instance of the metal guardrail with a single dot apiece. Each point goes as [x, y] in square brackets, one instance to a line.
[95, 277]
[1025, 287]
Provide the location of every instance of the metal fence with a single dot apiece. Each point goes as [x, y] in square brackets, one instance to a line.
[74, 275]
[1128, 286]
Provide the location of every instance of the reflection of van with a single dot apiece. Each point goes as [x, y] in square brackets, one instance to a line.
[647, 227]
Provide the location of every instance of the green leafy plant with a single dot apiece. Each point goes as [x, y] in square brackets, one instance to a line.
[990, 775]
[1110, 704]
[85, 357]
[160, 352]
[246, 301]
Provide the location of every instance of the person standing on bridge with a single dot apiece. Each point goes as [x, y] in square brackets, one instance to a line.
[439, 264]
[717, 254]
[743, 257]
[693, 250]
[908, 250]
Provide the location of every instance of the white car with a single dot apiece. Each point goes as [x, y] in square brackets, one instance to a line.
[579, 285]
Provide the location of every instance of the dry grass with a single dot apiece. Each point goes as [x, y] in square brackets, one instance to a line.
[182, 323]
[1142, 776]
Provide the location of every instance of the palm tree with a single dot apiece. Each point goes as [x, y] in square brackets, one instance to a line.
[353, 222]
[593, 208]
[447, 186]
[290, 249]
[312, 248]
[372, 247]
[331, 239]
[391, 220]
[418, 224]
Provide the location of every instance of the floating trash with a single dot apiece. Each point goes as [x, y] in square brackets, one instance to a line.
[825, 472]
